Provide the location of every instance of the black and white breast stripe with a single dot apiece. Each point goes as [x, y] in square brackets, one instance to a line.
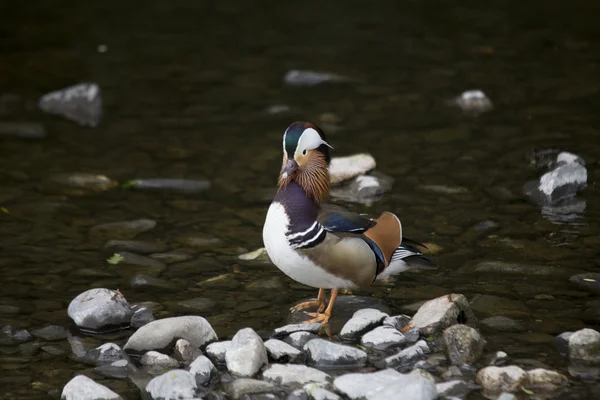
[307, 238]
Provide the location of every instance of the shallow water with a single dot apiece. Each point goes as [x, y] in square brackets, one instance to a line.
[186, 87]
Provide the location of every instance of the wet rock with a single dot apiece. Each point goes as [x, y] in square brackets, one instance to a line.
[463, 344]
[584, 346]
[247, 353]
[185, 352]
[443, 189]
[502, 324]
[124, 230]
[198, 241]
[513, 268]
[281, 351]
[277, 109]
[589, 281]
[27, 130]
[501, 379]
[297, 77]
[383, 337]
[438, 314]
[203, 370]
[100, 310]
[155, 362]
[298, 394]
[216, 351]
[294, 375]
[289, 329]
[345, 168]
[397, 321]
[408, 356]
[364, 189]
[104, 354]
[245, 386]
[172, 257]
[362, 321]
[561, 342]
[173, 385]
[322, 353]
[507, 396]
[52, 350]
[162, 333]
[50, 333]
[321, 394]
[135, 246]
[28, 349]
[195, 305]
[81, 103]
[77, 183]
[118, 369]
[454, 388]
[152, 265]
[141, 316]
[412, 335]
[546, 380]
[386, 384]
[10, 336]
[143, 282]
[299, 339]
[488, 305]
[166, 184]
[473, 101]
[568, 177]
[83, 388]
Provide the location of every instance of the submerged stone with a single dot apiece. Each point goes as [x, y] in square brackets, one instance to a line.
[27, 130]
[81, 103]
[123, 230]
[166, 184]
[297, 77]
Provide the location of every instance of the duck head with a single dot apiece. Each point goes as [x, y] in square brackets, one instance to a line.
[306, 160]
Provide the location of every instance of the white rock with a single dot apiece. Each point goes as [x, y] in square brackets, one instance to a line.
[83, 388]
[247, 354]
[375, 385]
[203, 370]
[454, 388]
[436, 315]
[322, 353]
[408, 356]
[294, 375]
[99, 309]
[383, 337]
[281, 351]
[473, 101]
[584, 346]
[322, 394]
[501, 379]
[507, 396]
[362, 321]
[176, 384]
[156, 362]
[299, 339]
[363, 189]
[244, 386]
[413, 388]
[81, 103]
[216, 351]
[397, 321]
[297, 77]
[344, 168]
[289, 329]
[104, 354]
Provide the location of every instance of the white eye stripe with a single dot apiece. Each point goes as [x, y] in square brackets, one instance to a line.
[309, 140]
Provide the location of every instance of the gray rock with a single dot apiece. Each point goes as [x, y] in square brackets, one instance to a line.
[142, 315]
[10, 336]
[173, 385]
[104, 354]
[196, 304]
[216, 351]
[299, 339]
[454, 388]
[76, 183]
[169, 184]
[203, 370]
[162, 333]
[298, 394]
[345, 168]
[123, 230]
[135, 246]
[154, 266]
[247, 354]
[436, 315]
[364, 189]
[280, 351]
[52, 350]
[143, 282]
[383, 337]
[99, 310]
[501, 379]
[589, 281]
[297, 77]
[375, 385]
[412, 335]
[245, 386]
[584, 346]
[83, 388]
[408, 356]
[294, 375]
[155, 362]
[29, 349]
[50, 333]
[489, 305]
[81, 103]
[473, 101]
[185, 352]
[463, 344]
[27, 130]
[502, 324]
[118, 369]
[172, 257]
[561, 342]
[322, 353]
[397, 321]
[545, 380]
[362, 321]
[319, 393]
[289, 329]
[507, 396]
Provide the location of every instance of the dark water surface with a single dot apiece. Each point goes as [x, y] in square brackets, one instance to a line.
[186, 86]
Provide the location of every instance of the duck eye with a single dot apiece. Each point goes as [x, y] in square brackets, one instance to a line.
[304, 152]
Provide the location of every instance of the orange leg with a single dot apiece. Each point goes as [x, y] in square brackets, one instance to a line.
[313, 303]
[323, 317]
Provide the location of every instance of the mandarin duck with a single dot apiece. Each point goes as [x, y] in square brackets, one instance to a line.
[323, 245]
